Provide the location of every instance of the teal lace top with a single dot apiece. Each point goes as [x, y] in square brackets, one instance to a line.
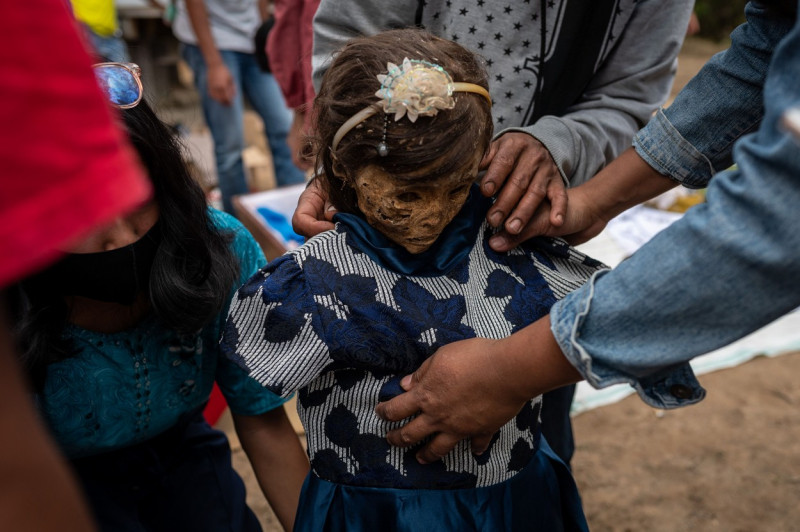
[124, 388]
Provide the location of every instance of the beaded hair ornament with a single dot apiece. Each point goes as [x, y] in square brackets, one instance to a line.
[415, 88]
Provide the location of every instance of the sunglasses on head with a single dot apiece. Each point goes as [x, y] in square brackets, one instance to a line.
[120, 83]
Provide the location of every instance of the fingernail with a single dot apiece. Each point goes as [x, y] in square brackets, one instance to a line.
[331, 208]
[497, 241]
[405, 382]
[496, 218]
[515, 225]
[488, 188]
[560, 218]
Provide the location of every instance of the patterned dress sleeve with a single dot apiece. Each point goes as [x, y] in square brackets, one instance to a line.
[271, 329]
[244, 395]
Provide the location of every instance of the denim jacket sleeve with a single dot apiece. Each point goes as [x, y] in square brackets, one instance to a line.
[730, 265]
[730, 87]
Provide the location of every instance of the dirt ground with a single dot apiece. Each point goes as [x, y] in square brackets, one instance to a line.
[730, 463]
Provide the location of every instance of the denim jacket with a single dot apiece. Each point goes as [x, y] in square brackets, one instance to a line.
[730, 265]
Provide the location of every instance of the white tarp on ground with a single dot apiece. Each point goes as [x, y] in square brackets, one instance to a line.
[623, 236]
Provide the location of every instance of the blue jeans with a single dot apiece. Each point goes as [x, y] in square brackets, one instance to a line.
[227, 124]
[112, 48]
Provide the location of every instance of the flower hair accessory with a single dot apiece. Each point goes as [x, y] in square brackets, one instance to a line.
[415, 88]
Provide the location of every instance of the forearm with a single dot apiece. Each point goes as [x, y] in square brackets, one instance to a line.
[531, 362]
[626, 182]
[278, 460]
[198, 16]
[724, 270]
[727, 268]
[34, 476]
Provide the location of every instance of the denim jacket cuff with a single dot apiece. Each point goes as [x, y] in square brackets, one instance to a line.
[558, 155]
[664, 148]
[669, 388]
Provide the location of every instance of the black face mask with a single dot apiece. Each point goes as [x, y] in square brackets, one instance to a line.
[115, 276]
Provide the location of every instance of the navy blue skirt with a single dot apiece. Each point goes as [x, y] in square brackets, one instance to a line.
[182, 479]
[542, 497]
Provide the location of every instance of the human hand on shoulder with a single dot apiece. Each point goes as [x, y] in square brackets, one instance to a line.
[523, 171]
[314, 213]
[582, 221]
[623, 183]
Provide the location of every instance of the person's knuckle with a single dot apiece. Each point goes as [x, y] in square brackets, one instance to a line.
[438, 450]
[504, 159]
[520, 180]
[537, 189]
[428, 455]
[405, 438]
[393, 439]
[387, 411]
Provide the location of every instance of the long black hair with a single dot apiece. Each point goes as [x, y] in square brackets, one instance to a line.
[194, 269]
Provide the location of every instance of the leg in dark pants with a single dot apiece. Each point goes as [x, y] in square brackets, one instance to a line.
[180, 480]
[556, 424]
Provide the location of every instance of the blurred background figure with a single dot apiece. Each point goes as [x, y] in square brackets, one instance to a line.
[218, 45]
[694, 25]
[99, 21]
[289, 48]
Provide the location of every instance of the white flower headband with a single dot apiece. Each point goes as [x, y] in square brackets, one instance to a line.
[417, 88]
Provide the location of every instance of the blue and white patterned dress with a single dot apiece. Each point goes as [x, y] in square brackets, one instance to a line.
[345, 316]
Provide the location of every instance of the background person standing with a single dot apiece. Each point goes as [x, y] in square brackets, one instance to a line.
[217, 39]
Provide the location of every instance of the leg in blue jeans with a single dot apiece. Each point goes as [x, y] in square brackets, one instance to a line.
[225, 122]
[265, 95]
[111, 48]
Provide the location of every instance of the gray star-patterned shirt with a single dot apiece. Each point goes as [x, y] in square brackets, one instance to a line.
[580, 76]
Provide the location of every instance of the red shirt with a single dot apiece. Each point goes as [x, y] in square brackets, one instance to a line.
[289, 49]
[65, 167]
